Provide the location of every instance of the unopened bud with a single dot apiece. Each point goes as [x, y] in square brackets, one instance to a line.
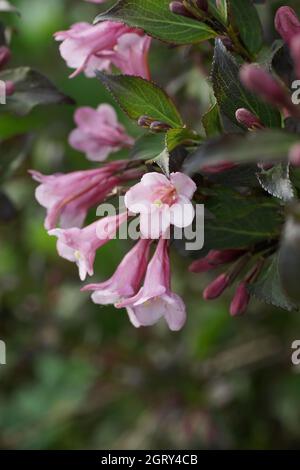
[5, 56]
[178, 9]
[217, 287]
[218, 167]
[261, 82]
[240, 300]
[294, 155]
[159, 126]
[144, 121]
[201, 266]
[248, 119]
[10, 88]
[287, 24]
[219, 257]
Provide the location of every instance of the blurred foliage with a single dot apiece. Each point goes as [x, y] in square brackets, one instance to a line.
[79, 376]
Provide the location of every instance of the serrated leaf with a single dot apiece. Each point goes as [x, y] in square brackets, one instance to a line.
[13, 151]
[182, 136]
[230, 93]
[156, 19]
[139, 97]
[248, 24]
[31, 89]
[163, 161]
[268, 288]
[147, 146]
[276, 181]
[263, 146]
[211, 121]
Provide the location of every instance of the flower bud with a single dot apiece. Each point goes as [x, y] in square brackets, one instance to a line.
[144, 121]
[217, 287]
[201, 266]
[10, 88]
[217, 168]
[240, 300]
[294, 155]
[178, 9]
[159, 126]
[218, 257]
[248, 119]
[287, 24]
[261, 82]
[5, 56]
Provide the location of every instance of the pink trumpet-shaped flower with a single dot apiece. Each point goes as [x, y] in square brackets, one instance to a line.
[127, 278]
[80, 245]
[68, 197]
[161, 202]
[87, 48]
[98, 132]
[155, 298]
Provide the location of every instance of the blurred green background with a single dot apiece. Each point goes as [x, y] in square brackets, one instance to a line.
[79, 376]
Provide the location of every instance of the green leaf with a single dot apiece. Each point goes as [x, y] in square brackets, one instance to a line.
[234, 220]
[221, 11]
[230, 93]
[269, 288]
[211, 121]
[31, 89]
[13, 151]
[248, 23]
[183, 136]
[269, 145]
[148, 146]
[139, 97]
[156, 19]
[276, 181]
[262, 223]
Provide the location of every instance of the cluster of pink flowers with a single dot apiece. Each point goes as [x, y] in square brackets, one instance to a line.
[139, 284]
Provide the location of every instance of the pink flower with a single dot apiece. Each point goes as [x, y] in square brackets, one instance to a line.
[88, 48]
[240, 300]
[80, 245]
[161, 202]
[126, 280]
[98, 132]
[155, 298]
[5, 56]
[131, 55]
[68, 197]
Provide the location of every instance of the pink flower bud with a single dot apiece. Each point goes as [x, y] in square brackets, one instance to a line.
[295, 53]
[294, 155]
[217, 287]
[240, 300]
[287, 24]
[217, 257]
[10, 88]
[5, 56]
[248, 119]
[201, 266]
[178, 9]
[261, 82]
[217, 168]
